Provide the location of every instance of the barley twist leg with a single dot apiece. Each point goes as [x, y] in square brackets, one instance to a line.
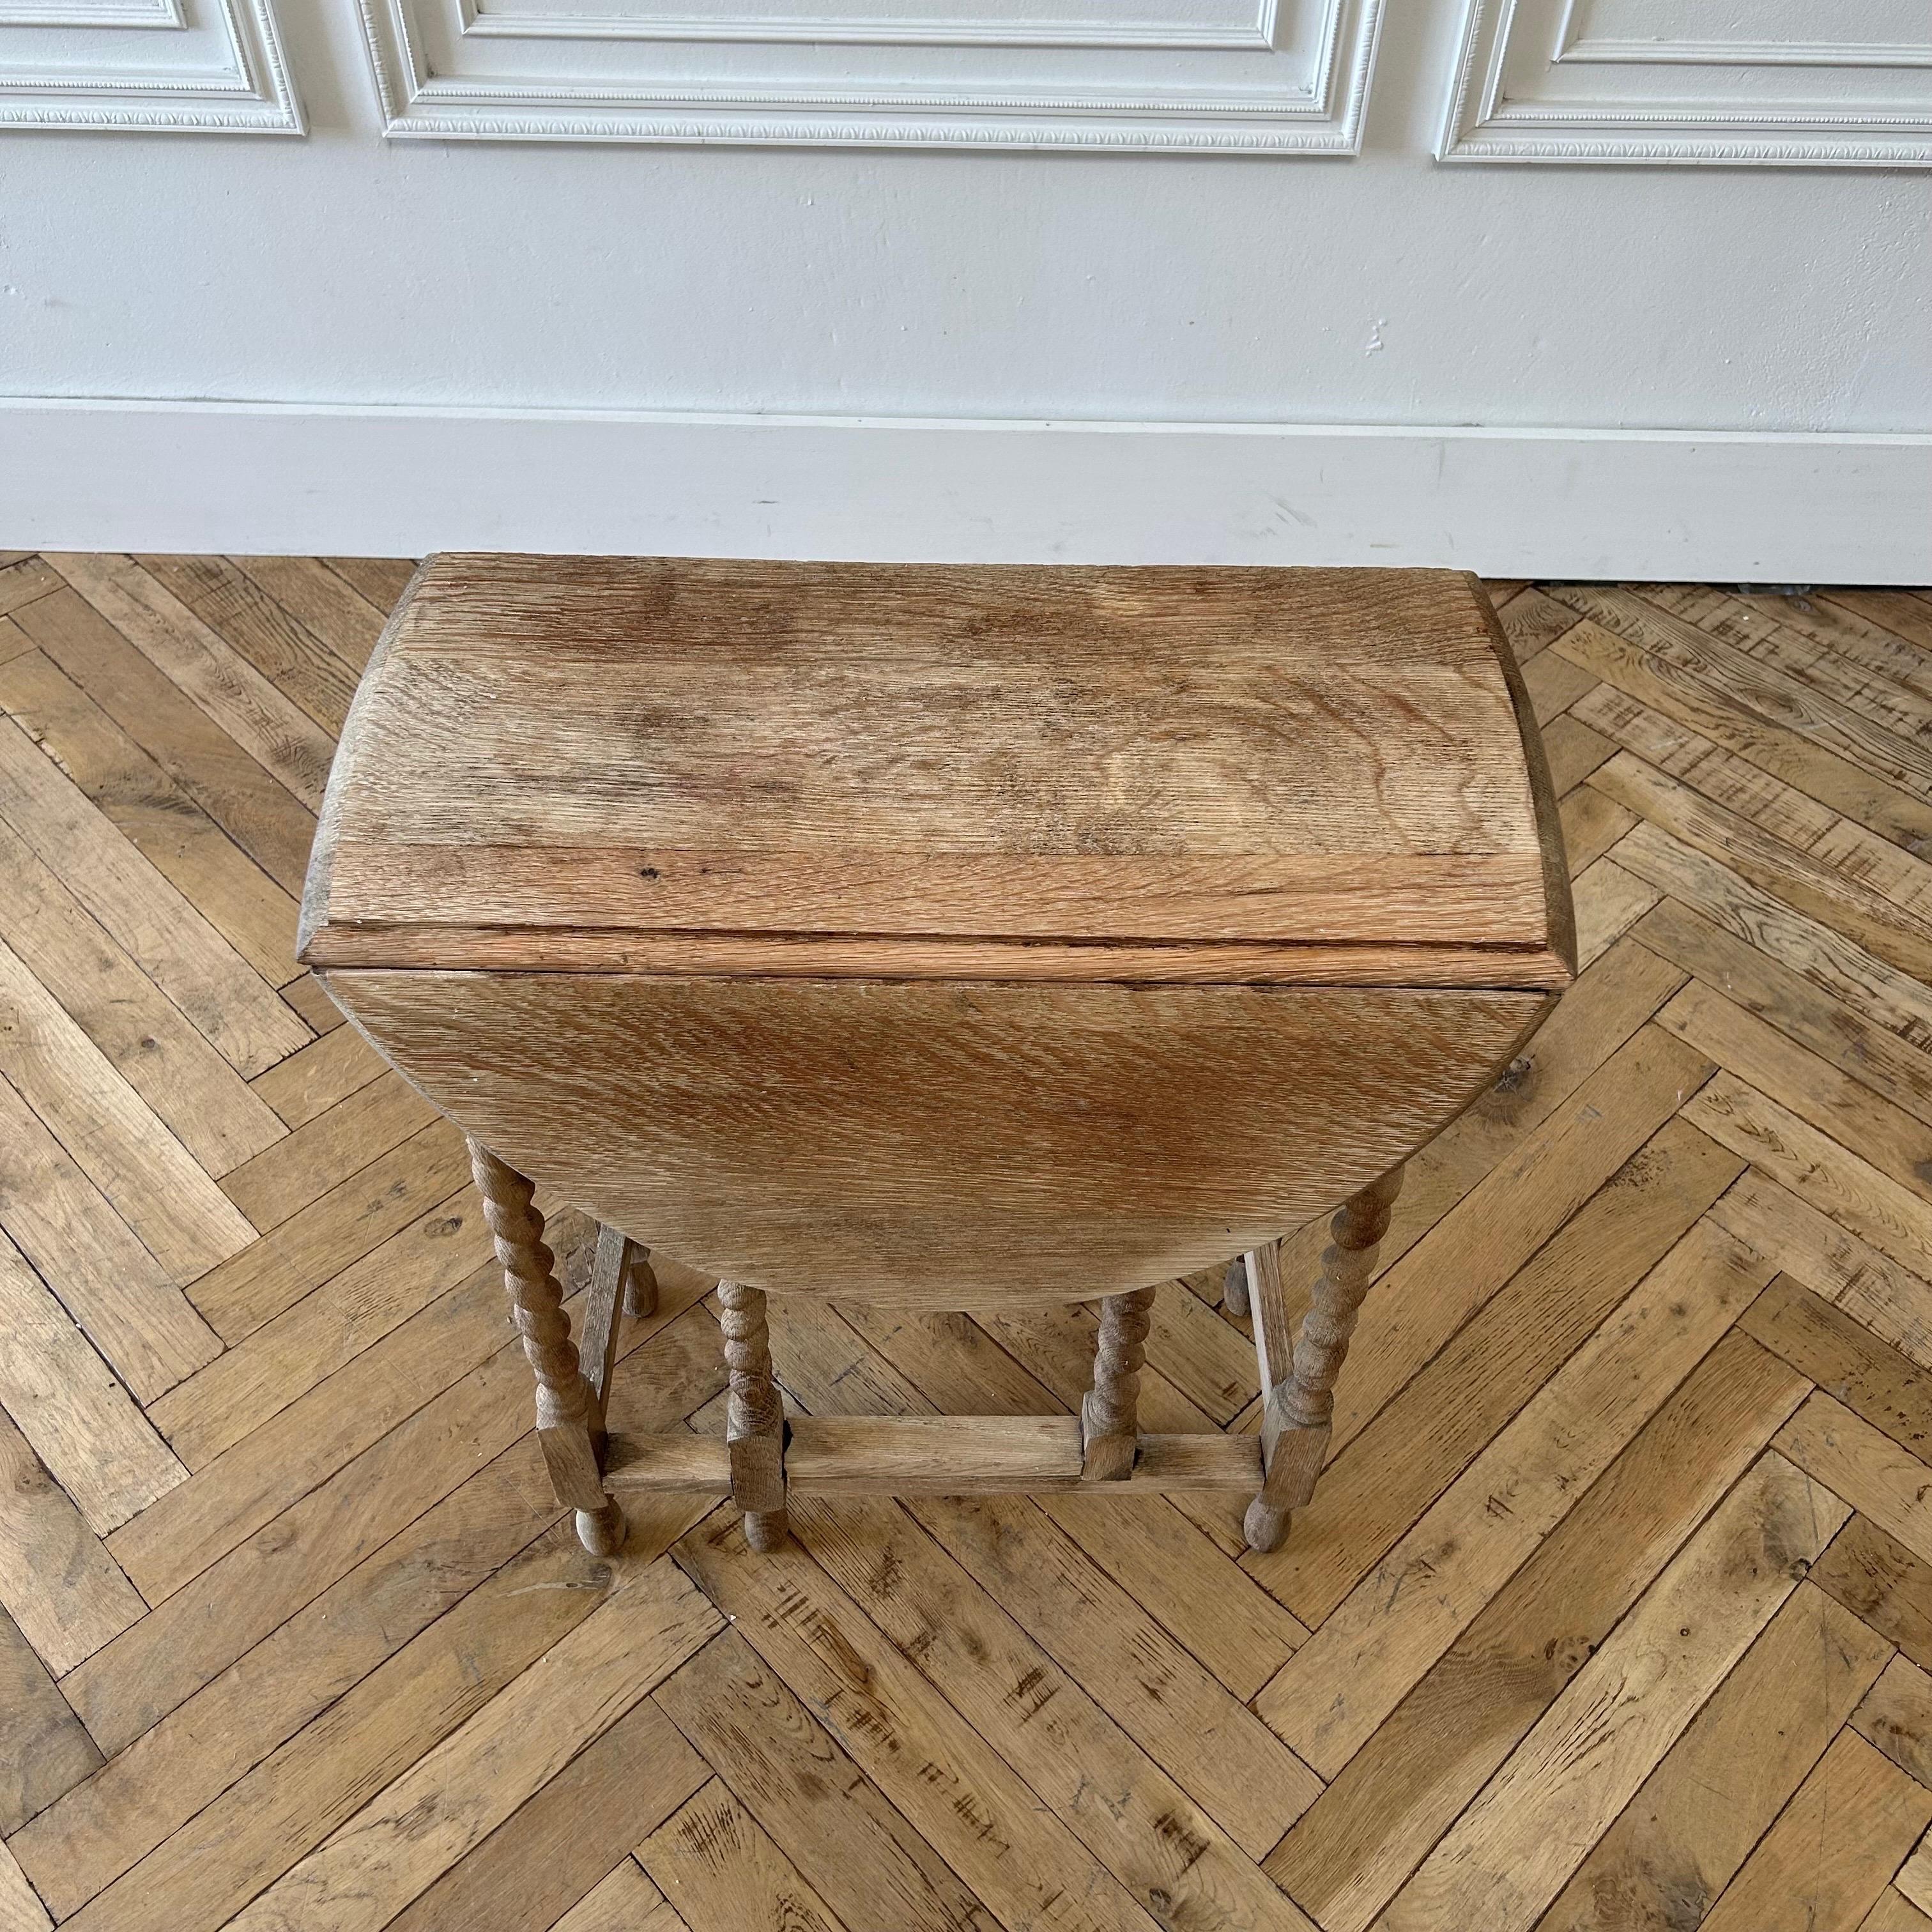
[1109, 1431]
[566, 1415]
[1300, 1408]
[754, 1416]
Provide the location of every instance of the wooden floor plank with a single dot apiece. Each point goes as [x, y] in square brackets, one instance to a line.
[312, 1005]
[1894, 1912]
[104, 1277]
[1752, 981]
[1891, 1301]
[250, 911]
[1397, 1796]
[1755, 718]
[725, 1874]
[273, 1364]
[263, 1372]
[1838, 1353]
[1553, 684]
[80, 1418]
[1679, 1843]
[1860, 666]
[1876, 1578]
[1895, 1717]
[371, 1631]
[379, 580]
[274, 730]
[280, 1569]
[313, 1079]
[1902, 613]
[559, 1844]
[208, 1106]
[260, 814]
[282, 648]
[1894, 1217]
[1817, 952]
[1532, 621]
[1608, 901]
[951, 1787]
[625, 1900]
[1574, 751]
[1768, 689]
[1427, 1434]
[45, 1750]
[1669, 746]
[448, 1801]
[57, 1581]
[1328, 1698]
[20, 1911]
[1826, 1861]
[823, 1813]
[304, 1165]
[1864, 1467]
[235, 1008]
[24, 579]
[1211, 1743]
[1509, 1854]
[317, 1242]
[1834, 622]
[1895, 933]
[122, 1146]
[323, 600]
[1593, 822]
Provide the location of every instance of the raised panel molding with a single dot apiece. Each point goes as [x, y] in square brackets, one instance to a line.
[1263, 77]
[1555, 80]
[166, 66]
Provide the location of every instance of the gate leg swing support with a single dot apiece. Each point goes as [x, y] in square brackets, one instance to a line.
[1298, 1383]
[762, 1457]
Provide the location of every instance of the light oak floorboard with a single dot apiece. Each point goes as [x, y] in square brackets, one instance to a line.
[1509, 1854]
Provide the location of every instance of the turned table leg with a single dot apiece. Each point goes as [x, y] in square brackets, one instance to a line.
[640, 1284]
[754, 1418]
[1235, 1286]
[1299, 1410]
[1109, 1431]
[568, 1420]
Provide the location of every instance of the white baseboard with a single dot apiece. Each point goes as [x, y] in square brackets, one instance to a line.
[1730, 506]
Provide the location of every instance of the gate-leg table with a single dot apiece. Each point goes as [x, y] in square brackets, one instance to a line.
[957, 938]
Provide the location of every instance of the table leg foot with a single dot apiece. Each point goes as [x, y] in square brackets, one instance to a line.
[1235, 1286]
[766, 1530]
[602, 1531]
[640, 1285]
[1265, 1527]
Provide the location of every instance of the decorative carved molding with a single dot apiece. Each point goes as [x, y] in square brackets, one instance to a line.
[215, 67]
[1245, 28]
[1533, 83]
[1235, 76]
[86, 14]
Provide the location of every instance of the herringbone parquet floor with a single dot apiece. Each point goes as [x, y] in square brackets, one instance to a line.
[1614, 1609]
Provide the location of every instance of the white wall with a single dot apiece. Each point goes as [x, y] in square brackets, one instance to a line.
[341, 270]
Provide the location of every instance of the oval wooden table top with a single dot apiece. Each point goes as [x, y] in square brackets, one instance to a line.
[690, 765]
[953, 935]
